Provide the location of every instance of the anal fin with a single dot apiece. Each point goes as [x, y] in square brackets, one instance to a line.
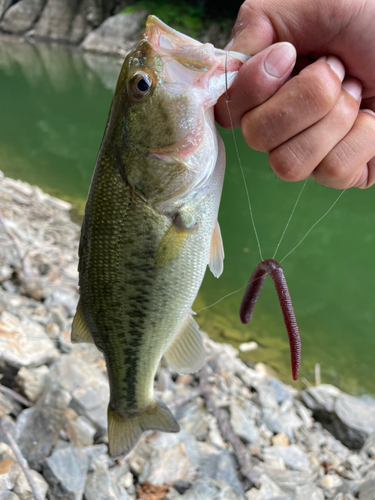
[216, 257]
[186, 354]
[80, 332]
[125, 432]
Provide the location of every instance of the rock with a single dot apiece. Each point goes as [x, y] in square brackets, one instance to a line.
[287, 480]
[268, 490]
[97, 456]
[308, 491]
[367, 487]
[219, 466]
[4, 4]
[168, 467]
[23, 489]
[280, 440]
[166, 441]
[24, 343]
[193, 418]
[7, 405]
[116, 35]
[243, 426]
[210, 490]
[282, 422]
[99, 486]
[8, 495]
[81, 432]
[293, 457]
[37, 431]
[349, 419]
[21, 16]
[9, 468]
[65, 471]
[248, 346]
[88, 387]
[369, 445]
[56, 19]
[33, 381]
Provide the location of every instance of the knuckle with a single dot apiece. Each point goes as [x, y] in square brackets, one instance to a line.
[288, 163]
[320, 91]
[253, 135]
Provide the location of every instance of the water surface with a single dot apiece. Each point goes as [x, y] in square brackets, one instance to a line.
[54, 104]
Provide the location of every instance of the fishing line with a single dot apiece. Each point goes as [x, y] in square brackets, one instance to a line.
[239, 159]
[290, 218]
[312, 227]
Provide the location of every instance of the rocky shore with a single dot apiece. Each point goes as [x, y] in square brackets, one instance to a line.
[98, 26]
[244, 434]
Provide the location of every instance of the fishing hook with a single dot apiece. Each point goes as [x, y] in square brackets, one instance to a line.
[273, 268]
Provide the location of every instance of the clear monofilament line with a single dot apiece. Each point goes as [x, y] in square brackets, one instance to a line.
[312, 227]
[290, 218]
[240, 163]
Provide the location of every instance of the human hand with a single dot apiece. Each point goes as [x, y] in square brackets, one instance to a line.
[314, 124]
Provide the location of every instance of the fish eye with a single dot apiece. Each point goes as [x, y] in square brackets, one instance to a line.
[141, 85]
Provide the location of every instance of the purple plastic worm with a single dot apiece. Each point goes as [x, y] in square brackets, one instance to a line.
[273, 268]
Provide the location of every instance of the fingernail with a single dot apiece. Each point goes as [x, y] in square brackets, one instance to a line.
[336, 65]
[280, 60]
[368, 111]
[353, 87]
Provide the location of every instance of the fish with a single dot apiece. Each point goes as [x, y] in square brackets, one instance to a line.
[150, 224]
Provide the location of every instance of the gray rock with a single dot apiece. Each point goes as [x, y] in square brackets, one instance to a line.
[267, 396]
[367, 487]
[287, 480]
[268, 490]
[54, 396]
[193, 418]
[282, 422]
[116, 35]
[23, 489]
[165, 441]
[97, 456]
[8, 495]
[4, 4]
[282, 392]
[293, 457]
[9, 468]
[37, 431]
[369, 445]
[219, 466]
[7, 405]
[308, 491]
[350, 419]
[168, 467]
[99, 486]
[81, 432]
[208, 489]
[64, 297]
[65, 470]
[21, 16]
[24, 343]
[242, 425]
[88, 387]
[56, 19]
[33, 381]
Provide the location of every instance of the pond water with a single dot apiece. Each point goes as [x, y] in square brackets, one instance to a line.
[54, 104]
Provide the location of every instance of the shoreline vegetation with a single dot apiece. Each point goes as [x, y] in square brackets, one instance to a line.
[112, 27]
[244, 433]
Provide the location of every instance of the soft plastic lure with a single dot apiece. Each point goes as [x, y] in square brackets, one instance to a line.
[273, 268]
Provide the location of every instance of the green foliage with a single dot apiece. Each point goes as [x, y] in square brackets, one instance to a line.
[183, 16]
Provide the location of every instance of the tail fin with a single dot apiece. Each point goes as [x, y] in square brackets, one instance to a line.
[125, 432]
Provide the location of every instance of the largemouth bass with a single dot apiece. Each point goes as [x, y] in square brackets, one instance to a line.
[150, 225]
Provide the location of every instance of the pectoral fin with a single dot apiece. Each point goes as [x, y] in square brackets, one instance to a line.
[216, 257]
[80, 332]
[172, 242]
[186, 354]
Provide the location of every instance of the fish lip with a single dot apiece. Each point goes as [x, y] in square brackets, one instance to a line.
[189, 52]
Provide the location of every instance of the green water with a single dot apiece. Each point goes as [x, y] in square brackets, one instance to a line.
[54, 103]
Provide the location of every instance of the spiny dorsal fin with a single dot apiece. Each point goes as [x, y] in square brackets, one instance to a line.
[216, 256]
[80, 332]
[186, 354]
[172, 242]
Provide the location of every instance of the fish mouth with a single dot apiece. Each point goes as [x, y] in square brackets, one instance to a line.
[220, 66]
